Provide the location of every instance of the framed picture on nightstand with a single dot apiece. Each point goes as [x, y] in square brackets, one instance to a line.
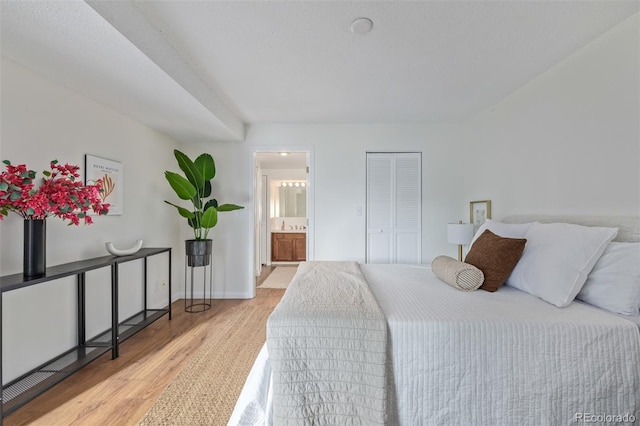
[479, 211]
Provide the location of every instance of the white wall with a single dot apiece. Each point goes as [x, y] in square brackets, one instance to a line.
[42, 121]
[568, 141]
[338, 164]
[232, 240]
[565, 143]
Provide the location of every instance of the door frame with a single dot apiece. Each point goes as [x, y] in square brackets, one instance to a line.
[310, 192]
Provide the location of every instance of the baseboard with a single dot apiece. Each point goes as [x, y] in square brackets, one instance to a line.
[217, 295]
[232, 295]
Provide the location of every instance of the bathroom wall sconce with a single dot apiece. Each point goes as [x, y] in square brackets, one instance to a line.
[461, 234]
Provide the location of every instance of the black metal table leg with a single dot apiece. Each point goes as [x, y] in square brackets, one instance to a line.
[1, 386]
[115, 350]
[169, 284]
[82, 318]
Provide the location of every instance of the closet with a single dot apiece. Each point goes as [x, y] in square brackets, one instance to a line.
[394, 207]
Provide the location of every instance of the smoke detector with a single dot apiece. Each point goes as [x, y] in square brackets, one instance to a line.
[361, 25]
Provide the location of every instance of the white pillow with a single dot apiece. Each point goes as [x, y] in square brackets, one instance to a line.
[557, 259]
[614, 282]
[506, 230]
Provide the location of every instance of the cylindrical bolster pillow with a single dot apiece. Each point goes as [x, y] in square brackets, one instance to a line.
[457, 274]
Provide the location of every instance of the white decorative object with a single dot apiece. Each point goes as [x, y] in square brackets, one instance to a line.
[123, 252]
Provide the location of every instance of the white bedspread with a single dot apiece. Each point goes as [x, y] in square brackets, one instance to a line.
[327, 342]
[504, 358]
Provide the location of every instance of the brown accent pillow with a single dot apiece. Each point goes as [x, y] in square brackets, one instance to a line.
[496, 257]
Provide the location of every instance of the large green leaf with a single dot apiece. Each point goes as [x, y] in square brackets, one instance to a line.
[206, 166]
[182, 187]
[183, 212]
[206, 192]
[211, 203]
[229, 207]
[190, 170]
[209, 218]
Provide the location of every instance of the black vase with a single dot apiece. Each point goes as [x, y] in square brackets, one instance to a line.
[198, 252]
[34, 259]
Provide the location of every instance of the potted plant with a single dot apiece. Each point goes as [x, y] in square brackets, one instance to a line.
[195, 186]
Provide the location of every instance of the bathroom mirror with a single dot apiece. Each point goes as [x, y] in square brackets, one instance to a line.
[293, 201]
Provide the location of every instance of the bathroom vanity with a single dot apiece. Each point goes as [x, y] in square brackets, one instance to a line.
[288, 246]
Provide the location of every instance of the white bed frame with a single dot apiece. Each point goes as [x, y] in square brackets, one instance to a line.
[628, 226]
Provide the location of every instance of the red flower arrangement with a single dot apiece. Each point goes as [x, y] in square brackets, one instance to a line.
[60, 194]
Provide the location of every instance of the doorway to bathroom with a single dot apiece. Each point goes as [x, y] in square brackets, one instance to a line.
[283, 224]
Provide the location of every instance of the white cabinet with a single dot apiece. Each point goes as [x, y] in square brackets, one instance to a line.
[394, 207]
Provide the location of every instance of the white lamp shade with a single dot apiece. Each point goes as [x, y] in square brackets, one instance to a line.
[459, 233]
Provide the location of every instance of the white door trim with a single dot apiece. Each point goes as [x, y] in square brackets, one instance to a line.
[310, 187]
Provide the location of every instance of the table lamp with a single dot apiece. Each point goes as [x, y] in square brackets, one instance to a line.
[461, 234]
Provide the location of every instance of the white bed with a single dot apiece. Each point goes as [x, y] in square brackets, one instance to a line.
[498, 358]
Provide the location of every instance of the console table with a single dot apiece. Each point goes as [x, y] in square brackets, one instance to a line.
[28, 386]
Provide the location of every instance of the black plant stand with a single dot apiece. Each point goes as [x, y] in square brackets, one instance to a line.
[192, 283]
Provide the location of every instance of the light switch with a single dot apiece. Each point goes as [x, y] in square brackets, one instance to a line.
[358, 210]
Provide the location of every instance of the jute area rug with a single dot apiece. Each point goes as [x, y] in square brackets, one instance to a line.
[206, 390]
[280, 277]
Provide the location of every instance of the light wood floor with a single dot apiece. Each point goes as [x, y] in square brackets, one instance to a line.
[121, 391]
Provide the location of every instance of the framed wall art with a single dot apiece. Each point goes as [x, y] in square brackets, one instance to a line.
[110, 172]
[479, 211]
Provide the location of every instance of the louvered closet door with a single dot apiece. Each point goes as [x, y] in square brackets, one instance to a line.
[394, 207]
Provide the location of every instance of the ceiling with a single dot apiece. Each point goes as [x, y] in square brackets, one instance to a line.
[203, 70]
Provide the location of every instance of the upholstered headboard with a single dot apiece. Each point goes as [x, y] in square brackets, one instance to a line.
[628, 226]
